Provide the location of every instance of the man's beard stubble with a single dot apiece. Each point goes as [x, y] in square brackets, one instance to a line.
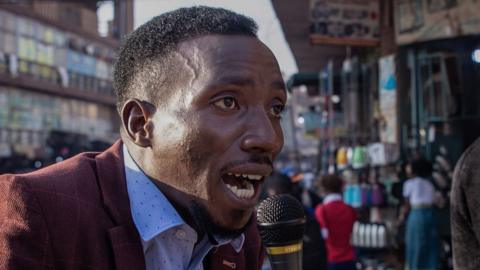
[195, 157]
[206, 223]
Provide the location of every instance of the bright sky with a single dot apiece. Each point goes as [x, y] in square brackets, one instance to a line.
[270, 31]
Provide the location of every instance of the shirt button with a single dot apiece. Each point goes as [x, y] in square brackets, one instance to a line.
[181, 234]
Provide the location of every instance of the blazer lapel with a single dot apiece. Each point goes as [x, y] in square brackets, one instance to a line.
[127, 250]
[124, 238]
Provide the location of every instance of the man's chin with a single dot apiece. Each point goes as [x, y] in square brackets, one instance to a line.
[213, 227]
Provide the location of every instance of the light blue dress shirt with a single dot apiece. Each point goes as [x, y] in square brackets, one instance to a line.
[168, 242]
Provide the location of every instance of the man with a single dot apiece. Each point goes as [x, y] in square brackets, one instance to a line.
[465, 214]
[200, 99]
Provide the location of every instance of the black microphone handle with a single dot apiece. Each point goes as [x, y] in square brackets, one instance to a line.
[281, 258]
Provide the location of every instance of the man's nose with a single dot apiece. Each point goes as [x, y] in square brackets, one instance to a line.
[261, 135]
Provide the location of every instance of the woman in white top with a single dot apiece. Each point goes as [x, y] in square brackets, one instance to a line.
[421, 237]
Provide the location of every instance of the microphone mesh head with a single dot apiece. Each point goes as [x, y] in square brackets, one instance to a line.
[281, 220]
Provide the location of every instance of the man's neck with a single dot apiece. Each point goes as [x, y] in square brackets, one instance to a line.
[178, 200]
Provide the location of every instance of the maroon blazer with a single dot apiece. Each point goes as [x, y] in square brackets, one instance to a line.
[76, 215]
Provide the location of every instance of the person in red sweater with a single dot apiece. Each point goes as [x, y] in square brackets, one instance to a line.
[336, 220]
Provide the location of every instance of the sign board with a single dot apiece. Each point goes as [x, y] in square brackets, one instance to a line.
[388, 99]
[422, 20]
[345, 22]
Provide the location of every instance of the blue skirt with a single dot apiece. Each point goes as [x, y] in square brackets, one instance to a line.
[421, 240]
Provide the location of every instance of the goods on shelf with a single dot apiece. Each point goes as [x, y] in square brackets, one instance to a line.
[43, 52]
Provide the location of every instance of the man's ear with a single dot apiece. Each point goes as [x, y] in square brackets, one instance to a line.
[136, 120]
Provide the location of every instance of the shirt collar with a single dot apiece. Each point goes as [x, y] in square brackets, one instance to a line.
[236, 243]
[151, 211]
[333, 197]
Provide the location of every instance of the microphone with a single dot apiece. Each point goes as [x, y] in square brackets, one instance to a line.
[281, 222]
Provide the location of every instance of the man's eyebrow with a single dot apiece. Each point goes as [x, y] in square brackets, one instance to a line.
[242, 81]
[235, 80]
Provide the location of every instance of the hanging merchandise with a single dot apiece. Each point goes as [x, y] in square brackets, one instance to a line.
[377, 195]
[388, 99]
[356, 196]
[62, 71]
[376, 153]
[366, 195]
[341, 159]
[381, 154]
[350, 156]
[360, 157]
[348, 194]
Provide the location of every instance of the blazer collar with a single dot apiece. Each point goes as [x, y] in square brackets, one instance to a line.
[111, 179]
[124, 238]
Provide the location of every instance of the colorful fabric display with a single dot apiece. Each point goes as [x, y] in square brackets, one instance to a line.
[377, 195]
[342, 161]
[360, 157]
[356, 196]
[366, 195]
[349, 155]
[348, 194]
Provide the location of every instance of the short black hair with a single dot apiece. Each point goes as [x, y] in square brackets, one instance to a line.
[332, 183]
[152, 42]
[421, 167]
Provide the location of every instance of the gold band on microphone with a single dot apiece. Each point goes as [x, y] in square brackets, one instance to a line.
[285, 249]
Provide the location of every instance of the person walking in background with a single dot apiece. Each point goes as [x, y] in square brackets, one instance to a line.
[421, 237]
[313, 245]
[336, 220]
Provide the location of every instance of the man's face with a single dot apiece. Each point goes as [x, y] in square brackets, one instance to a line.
[216, 137]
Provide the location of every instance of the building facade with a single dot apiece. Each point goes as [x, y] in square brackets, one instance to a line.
[56, 95]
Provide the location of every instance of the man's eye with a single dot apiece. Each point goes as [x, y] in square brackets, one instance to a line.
[277, 110]
[227, 103]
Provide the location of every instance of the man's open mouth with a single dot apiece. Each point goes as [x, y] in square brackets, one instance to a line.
[242, 185]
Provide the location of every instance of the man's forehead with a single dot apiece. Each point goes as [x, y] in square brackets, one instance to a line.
[225, 46]
[214, 61]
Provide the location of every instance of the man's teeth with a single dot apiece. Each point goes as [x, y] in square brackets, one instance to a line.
[248, 176]
[243, 193]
